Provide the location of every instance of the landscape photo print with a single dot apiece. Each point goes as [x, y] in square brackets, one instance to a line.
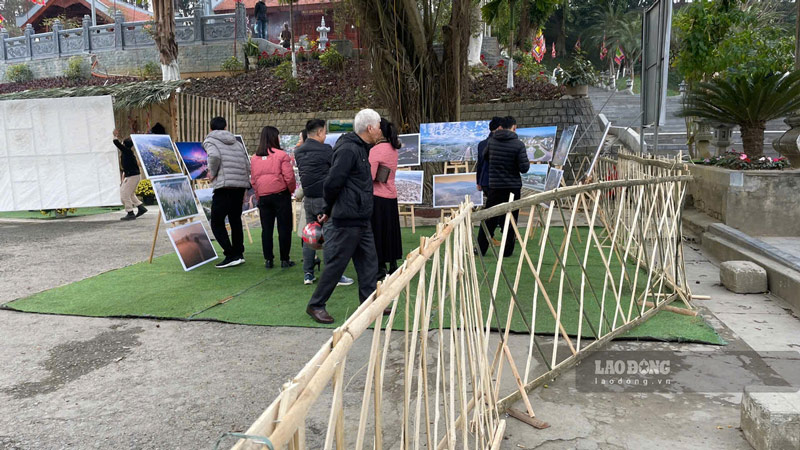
[409, 153]
[535, 177]
[175, 198]
[449, 191]
[564, 146]
[194, 158]
[451, 141]
[409, 185]
[157, 154]
[539, 142]
[192, 244]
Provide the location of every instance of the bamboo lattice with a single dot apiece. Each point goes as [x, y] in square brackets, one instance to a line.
[442, 385]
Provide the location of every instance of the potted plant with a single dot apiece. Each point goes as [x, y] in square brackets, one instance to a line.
[577, 76]
[144, 190]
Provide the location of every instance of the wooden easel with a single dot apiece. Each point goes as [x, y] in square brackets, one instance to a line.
[406, 211]
[456, 167]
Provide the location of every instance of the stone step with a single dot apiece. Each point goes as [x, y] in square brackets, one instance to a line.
[770, 420]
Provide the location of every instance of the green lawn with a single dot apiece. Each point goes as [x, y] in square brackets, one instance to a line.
[250, 294]
[38, 214]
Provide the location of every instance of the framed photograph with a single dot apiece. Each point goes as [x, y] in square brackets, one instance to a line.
[450, 190]
[564, 146]
[250, 201]
[408, 154]
[553, 180]
[241, 141]
[597, 152]
[409, 185]
[192, 244]
[204, 197]
[331, 138]
[340, 125]
[539, 142]
[451, 141]
[289, 142]
[175, 198]
[157, 155]
[195, 158]
[535, 177]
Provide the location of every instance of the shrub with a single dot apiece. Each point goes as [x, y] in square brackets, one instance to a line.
[284, 72]
[76, 69]
[528, 67]
[332, 60]
[232, 65]
[19, 73]
[740, 161]
[579, 72]
[151, 69]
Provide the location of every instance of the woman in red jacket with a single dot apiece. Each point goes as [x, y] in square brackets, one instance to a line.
[385, 215]
[272, 177]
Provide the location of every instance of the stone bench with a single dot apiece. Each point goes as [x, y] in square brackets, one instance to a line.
[743, 277]
[771, 420]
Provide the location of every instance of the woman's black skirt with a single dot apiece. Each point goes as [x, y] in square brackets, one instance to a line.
[386, 228]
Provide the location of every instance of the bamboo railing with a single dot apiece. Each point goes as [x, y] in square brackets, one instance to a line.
[435, 381]
[194, 114]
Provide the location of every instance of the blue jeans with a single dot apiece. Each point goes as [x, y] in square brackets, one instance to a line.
[262, 29]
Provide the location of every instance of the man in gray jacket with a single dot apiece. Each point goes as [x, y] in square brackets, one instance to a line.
[229, 172]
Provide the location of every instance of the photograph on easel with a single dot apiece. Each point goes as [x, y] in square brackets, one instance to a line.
[204, 197]
[331, 138]
[157, 154]
[194, 158]
[451, 141]
[289, 142]
[340, 125]
[409, 186]
[553, 179]
[241, 141]
[539, 142]
[250, 201]
[175, 198]
[564, 146]
[192, 244]
[535, 177]
[449, 191]
[408, 154]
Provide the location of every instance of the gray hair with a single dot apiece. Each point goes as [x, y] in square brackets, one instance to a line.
[364, 118]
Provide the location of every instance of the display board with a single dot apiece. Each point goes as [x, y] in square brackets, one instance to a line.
[450, 190]
[409, 154]
[553, 179]
[175, 198]
[289, 142]
[409, 185]
[452, 141]
[535, 177]
[156, 154]
[539, 142]
[204, 196]
[192, 244]
[564, 146]
[57, 153]
[340, 126]
[195, 158]
[331, 138]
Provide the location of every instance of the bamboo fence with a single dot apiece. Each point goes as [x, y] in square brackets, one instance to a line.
[194, 114]
[447, 391]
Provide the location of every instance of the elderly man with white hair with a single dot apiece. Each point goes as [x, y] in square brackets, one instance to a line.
[348, 205]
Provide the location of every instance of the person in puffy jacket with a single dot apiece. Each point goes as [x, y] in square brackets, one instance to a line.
[348, 204]
[508, 159]
[229, 173]
[272, 177]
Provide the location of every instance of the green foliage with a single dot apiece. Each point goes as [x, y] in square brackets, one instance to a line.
[19, 73]
[251, 49]
[232, 65]
[527, 67]
[150, 69]
[579, 72]
[76, 68]
[523, 17]
[67, 23]
[740, 161]
[284, 72]
[333, 60]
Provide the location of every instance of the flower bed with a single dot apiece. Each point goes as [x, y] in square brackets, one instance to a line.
[740, 161]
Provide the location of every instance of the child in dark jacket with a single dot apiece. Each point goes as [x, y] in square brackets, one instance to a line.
[131, 177]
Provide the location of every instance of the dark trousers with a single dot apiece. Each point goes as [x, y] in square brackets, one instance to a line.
[342, 244]
[271, 207]
[227, 202]
[497, 196]
[262, 28]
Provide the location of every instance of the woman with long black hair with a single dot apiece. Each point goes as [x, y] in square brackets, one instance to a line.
[272, 177]
[385, 215]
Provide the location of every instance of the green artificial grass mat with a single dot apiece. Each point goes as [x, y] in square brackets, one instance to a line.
[250, 294]
[51, 216]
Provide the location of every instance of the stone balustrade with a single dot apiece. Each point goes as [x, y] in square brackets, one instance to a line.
[119, 35]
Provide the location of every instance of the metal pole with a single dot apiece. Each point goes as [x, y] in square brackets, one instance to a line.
[94, 14]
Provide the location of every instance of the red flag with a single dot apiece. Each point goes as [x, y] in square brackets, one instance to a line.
[553, 53]
[578, 45]
[603, 49]
[2, 19]
[539, 47]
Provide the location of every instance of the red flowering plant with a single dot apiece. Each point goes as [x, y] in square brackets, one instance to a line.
[741, 161]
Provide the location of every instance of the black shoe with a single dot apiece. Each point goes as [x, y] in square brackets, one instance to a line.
[392, 266]
[130, 216]
[140, 210]
[286, 264]
[269, 264]
[318, 263]
[381, 273]
[230, 261]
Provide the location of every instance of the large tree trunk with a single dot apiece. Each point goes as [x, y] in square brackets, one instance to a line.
[164, 16]
[753, 139]
[561, 38]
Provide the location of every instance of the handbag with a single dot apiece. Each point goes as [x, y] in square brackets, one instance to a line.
[382, 174]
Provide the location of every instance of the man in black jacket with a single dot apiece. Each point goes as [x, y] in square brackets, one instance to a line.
[508, 159]
[313, 160]
[132, 176]
[260, 11]
[348, 204]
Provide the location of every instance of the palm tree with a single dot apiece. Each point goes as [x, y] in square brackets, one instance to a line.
[748, 101]
[628, 36]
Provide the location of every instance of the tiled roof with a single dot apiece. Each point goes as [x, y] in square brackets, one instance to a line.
[229, 5]
[131, 12]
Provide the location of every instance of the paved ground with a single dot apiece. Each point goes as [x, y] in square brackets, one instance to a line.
[73, 382]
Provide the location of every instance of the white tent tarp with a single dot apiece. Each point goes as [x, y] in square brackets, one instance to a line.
[57, 153]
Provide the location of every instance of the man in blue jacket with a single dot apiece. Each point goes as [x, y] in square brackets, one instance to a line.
[348, 204]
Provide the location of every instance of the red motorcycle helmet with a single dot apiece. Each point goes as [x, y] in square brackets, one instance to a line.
[312, 235]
